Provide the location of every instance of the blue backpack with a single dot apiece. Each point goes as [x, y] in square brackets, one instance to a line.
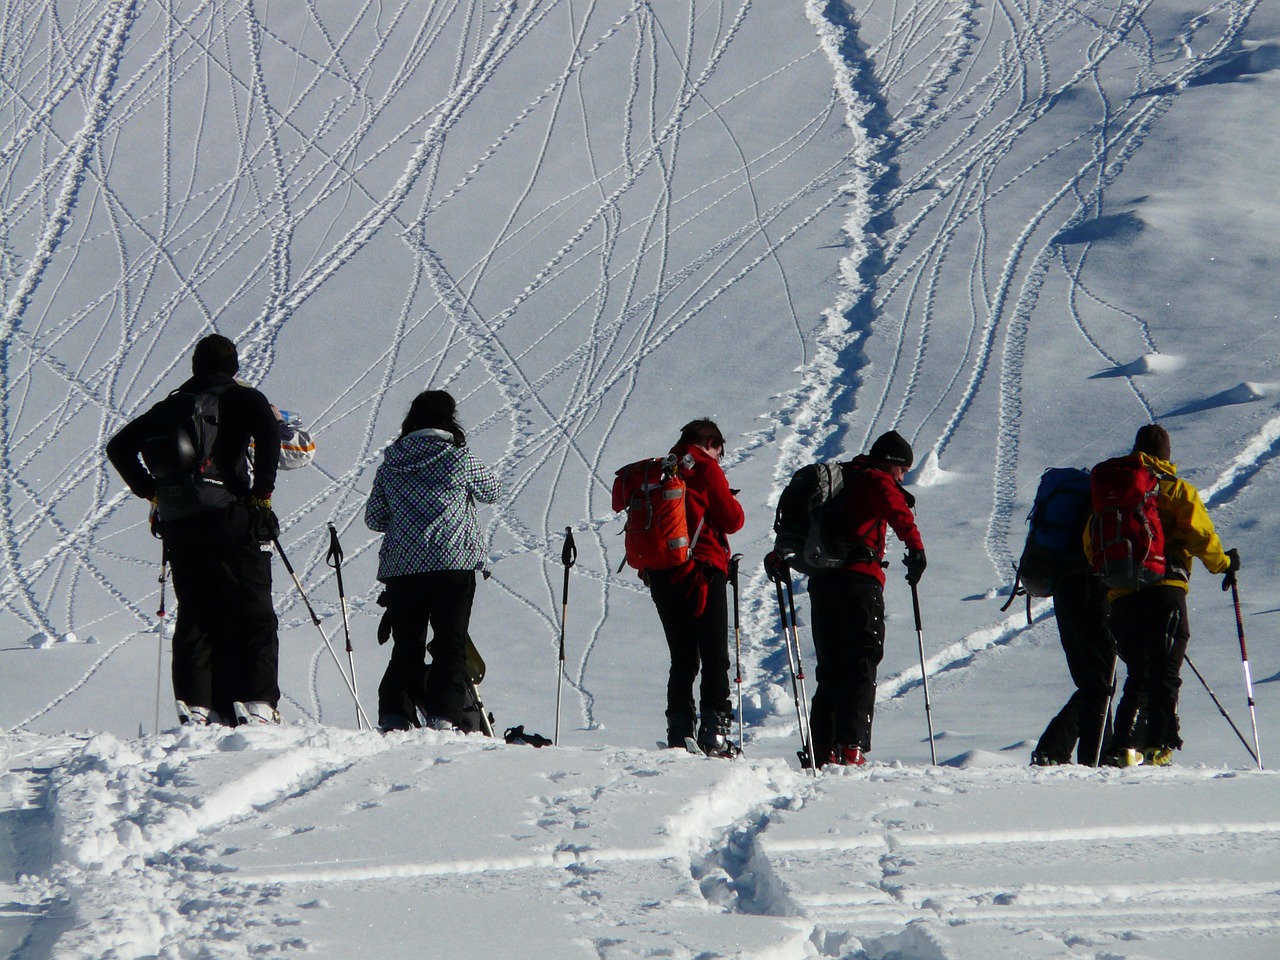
[1055, 529]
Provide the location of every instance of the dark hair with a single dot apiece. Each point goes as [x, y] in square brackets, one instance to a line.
[435, 409]
[215, 354]
[1153, 439]
[702, 433]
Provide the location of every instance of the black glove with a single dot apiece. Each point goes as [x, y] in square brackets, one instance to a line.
[521, 735]
[1229, 578]
[775, 566]
[262, 520]
[915, 563]
[384, 624]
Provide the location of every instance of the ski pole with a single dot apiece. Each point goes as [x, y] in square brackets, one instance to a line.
[924, 674]
[1221, 709]
[806, 740]
[1248, 678]
[334, 559]
[1106, 718]
[568, 557]
[737, 636]
[316, 620]
[164, 569]
[164, 572]
[804, 696]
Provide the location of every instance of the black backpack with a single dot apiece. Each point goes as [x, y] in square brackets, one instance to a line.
[809, 519]
[177, 448]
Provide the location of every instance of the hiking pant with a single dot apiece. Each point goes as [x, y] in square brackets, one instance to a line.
[695, 641]
[1152, 633]
[848, 639]
[439, 601]
[1080, 607]
[225, 641]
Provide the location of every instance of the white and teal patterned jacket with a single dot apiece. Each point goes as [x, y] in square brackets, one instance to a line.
[424, 499]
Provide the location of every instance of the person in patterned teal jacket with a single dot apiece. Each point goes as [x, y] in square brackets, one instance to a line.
[424, 503]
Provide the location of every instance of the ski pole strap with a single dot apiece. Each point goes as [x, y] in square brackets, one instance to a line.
[334, 558]
[1017, 588]
[915, 607]
[568, 556]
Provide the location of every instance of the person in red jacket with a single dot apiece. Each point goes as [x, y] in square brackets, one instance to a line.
[691, 599]
[848, 604]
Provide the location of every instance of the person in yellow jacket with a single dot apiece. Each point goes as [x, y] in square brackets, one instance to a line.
[1150, 623]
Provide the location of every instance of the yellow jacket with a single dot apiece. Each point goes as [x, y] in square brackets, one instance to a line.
[1188, 531]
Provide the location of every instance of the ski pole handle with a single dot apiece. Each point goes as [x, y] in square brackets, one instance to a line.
[335, 548]
[568, 557]
[164, 569]
[335, 555]
[1235, 599]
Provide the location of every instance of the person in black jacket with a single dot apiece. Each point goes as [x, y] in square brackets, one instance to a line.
[216, 523]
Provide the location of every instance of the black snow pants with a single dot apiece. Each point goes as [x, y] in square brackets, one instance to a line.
[1080, 607]
[1152, 633]
[697, 641]
[438, 601]
[848, 639]
[225, 641]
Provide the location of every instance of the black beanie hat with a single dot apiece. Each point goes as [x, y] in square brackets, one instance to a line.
[892, 447]
[215, 354]
[1153, 440]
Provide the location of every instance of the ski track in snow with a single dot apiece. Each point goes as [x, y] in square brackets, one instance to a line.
[241, 824]
[315, 178]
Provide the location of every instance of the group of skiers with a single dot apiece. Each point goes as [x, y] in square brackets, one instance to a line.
[1139, 617]
[207, 457]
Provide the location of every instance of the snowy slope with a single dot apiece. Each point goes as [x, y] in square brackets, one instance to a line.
[1013, 232]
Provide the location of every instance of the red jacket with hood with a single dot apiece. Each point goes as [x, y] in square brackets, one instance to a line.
[874, 502]
[709, 503]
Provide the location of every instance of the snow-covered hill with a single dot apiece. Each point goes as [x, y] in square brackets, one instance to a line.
[1013, 232]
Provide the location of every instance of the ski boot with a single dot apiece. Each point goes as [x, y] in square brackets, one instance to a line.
[254, 712]
[1127, 757]
[190, 716]
[847, 755]
[1157, 756]
[713, 736]
[679, 729]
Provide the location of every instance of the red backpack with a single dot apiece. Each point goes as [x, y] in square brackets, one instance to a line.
[1126, 536]
[652, 493]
